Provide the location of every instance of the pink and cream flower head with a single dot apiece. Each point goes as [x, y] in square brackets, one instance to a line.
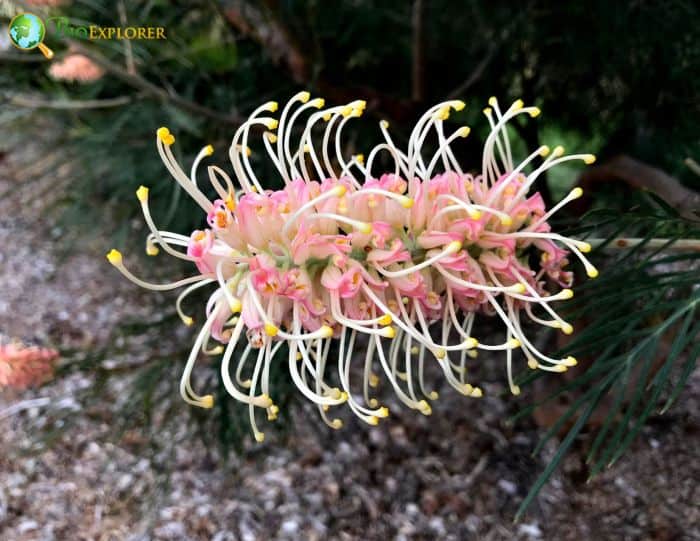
[406, 259]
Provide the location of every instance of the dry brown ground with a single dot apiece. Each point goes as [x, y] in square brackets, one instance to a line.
[66, 474]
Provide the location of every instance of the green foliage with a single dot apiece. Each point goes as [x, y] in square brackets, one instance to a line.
[640, 335]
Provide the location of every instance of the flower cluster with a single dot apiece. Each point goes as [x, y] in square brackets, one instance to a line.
[25, 366]
[407, 259]
[76, 68]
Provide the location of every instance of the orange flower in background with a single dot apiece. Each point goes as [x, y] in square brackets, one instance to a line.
[76, 68]
[23, 366]
[47, 3]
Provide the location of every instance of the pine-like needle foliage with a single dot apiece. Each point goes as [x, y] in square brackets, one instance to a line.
[639, 335]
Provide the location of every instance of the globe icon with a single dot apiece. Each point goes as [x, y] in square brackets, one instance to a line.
[27, 31]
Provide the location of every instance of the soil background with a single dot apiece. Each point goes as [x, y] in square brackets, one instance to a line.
[66, 473]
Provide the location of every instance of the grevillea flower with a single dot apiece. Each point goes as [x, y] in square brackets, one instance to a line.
[407, 259]
[25, 366]
[76, 68]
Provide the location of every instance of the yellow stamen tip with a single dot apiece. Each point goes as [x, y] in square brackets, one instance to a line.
[259, 437]
[271, 330]
[365, 228]
[207, 401]
[304, 96]
[589, 159]
[187, 320]
[162, 133]
[142, 194]
[440, 353]
[433, 395]
[209, 150]
[519, 288]
[592, 272]
[230, 203]
[386, 319]
[558, 151]
[169, 139]
[152, 250]
[114, 257]
[464, 131]
[584, 247]
[326, 117]
[424, 407]
[571, 361]
[535, 112]
[271, 137]
[373, 420]
[271, 124]
[567, 293]
[471, 343]
[388, 332]
[383, 412]
[544, 151]
[360, 158]
[318, 103]
[326, 331]
[567, 328]
[458, 105]
[576, 192]
[346, 111]
[454, 246]
[218, 350]
[337, 424]
[518, 104]
[515, 390]
[506, 220]
[514, 343]
[493, 101]
[487, 111]
[407, 202]
[477, 392]
[560, 368]
[272, 106]
[532, 363]
[384, 124]
[274, 409]
[236, 306]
